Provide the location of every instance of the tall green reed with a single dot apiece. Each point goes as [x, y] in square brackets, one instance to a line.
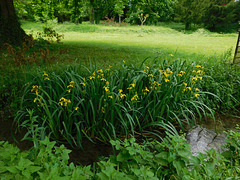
[105, 103]
[222, 79]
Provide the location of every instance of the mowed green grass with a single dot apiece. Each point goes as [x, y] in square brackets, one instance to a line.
[111, 44]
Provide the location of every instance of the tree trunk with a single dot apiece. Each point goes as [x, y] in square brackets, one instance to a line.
[119, 18]
[92, 16]
[10, 29]
[187, 26]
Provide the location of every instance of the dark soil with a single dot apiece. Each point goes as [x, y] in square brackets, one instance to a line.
[91, 153]
[222, 122]
[7, 133]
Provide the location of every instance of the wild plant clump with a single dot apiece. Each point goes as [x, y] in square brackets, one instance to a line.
[111, 22]
[49, 35]
[21, 55]
[106, 103]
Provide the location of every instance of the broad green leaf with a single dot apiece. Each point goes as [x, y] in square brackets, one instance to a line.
[184, 153]
[149, 173]
[163, 162]
[171, 157]
[26, 173]
[132, 150]
[23, 163]
[162, 155]
[102, 176]
[178, 164]
[33, 169]
[12, 169]
[227, 154]
[121, 157]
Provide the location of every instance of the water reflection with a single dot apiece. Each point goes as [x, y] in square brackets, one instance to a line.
[221, 123]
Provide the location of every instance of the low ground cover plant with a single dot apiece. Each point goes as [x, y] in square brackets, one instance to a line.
[169, 159]
[104, 103]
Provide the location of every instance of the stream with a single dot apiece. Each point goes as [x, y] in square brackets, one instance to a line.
[210, 134]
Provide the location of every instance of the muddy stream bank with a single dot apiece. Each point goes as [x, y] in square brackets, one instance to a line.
[213, 131]
[210, 134]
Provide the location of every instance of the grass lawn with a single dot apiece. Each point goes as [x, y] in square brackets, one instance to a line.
[110, 45]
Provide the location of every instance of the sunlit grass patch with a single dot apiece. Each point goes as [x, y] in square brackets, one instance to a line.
[100, 42]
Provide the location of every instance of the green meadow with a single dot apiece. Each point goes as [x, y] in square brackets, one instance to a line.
[112, 44]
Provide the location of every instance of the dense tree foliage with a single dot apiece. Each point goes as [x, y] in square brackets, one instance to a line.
[94, 10]
[185, 12]
[212, 14]
[221, 12]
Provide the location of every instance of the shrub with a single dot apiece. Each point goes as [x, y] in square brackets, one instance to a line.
[219, 16]
[50, 35]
